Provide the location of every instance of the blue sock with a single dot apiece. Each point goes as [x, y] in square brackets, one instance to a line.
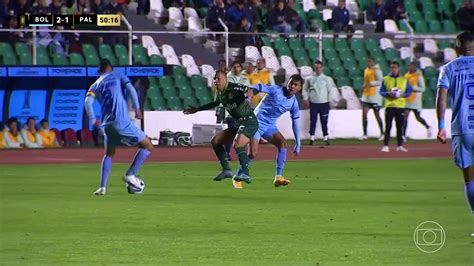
[280, 160]
[105, 169]
[470, 194]
[139, 159]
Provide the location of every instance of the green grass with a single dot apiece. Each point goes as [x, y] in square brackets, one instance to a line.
[333, 213]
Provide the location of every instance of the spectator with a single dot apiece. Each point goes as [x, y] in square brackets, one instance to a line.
[41, 7]
[242, 40]
[250, 72]
[2, 139]
[465, 16]
[143, 7]
[414, 100]
[235, 75]
[395, 88]
[12, 36]
[375, 14]
[371, 99]
[394, 9]
[222, 66]
[340, 19]
[22, 7]
[265, 75]
[202, 3]
[218, 10]
[174, 3]
[278, 17]
[83, 7]
[236, 13]
[12, 136]
[56, 7]
[30, 134]
[98, 7]
[48, 138]
[71, 7]
[114, 8]
[6, 10]
[316, 92]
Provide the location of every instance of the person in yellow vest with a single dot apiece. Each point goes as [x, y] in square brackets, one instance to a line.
[12, 136]
[414, 100]
[371, 98]
[30, 134]
[2, 140]
[265, 76]
[47, 136]
[395, 88]
[250, 72]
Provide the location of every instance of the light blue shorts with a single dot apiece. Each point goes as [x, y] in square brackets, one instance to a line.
[265, 131]
[127, 134]
[462, 146]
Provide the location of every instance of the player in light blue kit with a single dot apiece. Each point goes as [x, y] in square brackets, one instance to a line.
[456, 82]
[116, 125]
[277, 101]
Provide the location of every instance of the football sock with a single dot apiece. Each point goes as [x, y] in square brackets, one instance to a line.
[243, 159]
[313, 137]
[222, 156]
[104, 170]
[364, 126]
[469, 189]
[139, 159]
[280, 161]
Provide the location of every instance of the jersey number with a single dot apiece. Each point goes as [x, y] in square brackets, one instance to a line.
[470, 90]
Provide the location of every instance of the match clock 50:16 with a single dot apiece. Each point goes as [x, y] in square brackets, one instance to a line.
[108, 20]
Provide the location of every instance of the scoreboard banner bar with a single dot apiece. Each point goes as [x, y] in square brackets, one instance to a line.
[108, 20]
[146, 71]
[3, 71]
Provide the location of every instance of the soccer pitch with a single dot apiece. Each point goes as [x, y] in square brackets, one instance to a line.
[351, 212]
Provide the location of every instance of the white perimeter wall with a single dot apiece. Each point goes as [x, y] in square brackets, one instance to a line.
[342, 123]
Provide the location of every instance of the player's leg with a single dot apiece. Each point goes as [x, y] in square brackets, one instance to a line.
[218, 145]
[405, 123]
[389, 114]
[231, 123]
[110, 138]
[463, 148]
[144, 150]
[376, 110]
[324, 112]
[277, 139]
[247, 130]
[423, 122]
[399, 119]
[313, 119]
[365, 110]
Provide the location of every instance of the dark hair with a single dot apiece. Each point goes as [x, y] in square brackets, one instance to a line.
[104, 63]
[318, 62]
[395, 63]
[220, 72]
[44, 120]
[236, 63]
[462, 40]
[296, 77]
[30, 118]
[11, 120]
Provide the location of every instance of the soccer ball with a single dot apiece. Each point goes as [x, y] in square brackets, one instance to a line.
[396, 92]
[136, 187]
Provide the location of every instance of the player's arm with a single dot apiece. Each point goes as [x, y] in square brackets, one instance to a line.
[378, 79]
[421, 86]
[132, 93]
[208, 106]
[88, 104]
[295, 119]
[261, 88]
[383, 91]
[441, 102]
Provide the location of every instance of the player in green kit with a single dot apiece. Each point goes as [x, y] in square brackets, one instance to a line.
[233, 98]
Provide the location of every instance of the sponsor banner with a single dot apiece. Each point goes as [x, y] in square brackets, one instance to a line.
[27, 72]
[145, 71]
[67, 71]
[66, 109]
[26, 103]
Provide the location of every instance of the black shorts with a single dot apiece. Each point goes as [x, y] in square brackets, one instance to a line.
[374, 106]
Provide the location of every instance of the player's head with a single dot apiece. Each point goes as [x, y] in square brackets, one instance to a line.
[394, 68]
[31, 122]
[220, 80]
[236, 68]
[370, 62]
[105, 66]
[295, 83]
[412, 67]
[318, 67]
[465, 43]
[12, 125]
[44, 123]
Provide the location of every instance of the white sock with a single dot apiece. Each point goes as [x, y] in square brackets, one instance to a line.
[313, 137]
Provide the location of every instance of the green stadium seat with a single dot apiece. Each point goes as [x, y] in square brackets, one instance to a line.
[353, 71]
[121, 53]
[313, 14]
[333, 62]
[202, 92]
[76, 59]
[174, 103]
[169, 92]
[340, 44]
[105, 51]
[339, 72]
[280, 43]
[310, 44]
[295, 44]
[90, 53]
[327, 71]
[345, 53]
[24, 53]
[266, 41]
[156, 99]
[180, 80]
[5, 48]
[442, 44]
[198, 81]
[420, 27]
[357, 44]
[435, 26]
[10, 59]
[166, 81]
[430, 72]
[402, 25]
[343, 81]
[391, 54]
[371, 44]
[328, 54]
[60, 60]
[357, 83]
[449, 26]
[313, 54]
[179, 70]
[190, 101]
[328, 44]
[185, 91]
[157, 60]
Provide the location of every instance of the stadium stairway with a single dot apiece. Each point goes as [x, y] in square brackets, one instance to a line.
[179, 43]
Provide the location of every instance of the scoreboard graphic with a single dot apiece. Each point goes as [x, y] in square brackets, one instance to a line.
[70, 20]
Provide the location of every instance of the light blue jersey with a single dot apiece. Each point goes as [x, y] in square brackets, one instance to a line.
[458, 77]
[274, 104]
[109, 91]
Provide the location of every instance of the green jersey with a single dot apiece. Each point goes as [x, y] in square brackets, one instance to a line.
[233, 99]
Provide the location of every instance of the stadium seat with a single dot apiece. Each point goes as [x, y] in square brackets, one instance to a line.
[208, 73]
[197, 81]
[179, 70]
[105, 51]
[272, 64]
[176, 19]
[157, 60]
[343, 81]
[391, 54]
[166, 81]
[174, 103]
[180, 80]
[406, 53]
[90, 53]
[421, 27]
[429, 46]
[295, 44]
[327, 14]
[435, 26]
[148, 41]
[60, 60]
[170, 55]
[425, 62]
[169, 92]
[190, 65]
[386, 43]
[449, 26]
[85, 137]
[306, 72]
[42, 56]
[288, 64]
[449, 54]
[267, 51]
[309, 6]
[76, 59]
[24, 53]
[190, 101]
[59, 137]
[430, 72]
[121, 53]
[390, 26]
[70, 138]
